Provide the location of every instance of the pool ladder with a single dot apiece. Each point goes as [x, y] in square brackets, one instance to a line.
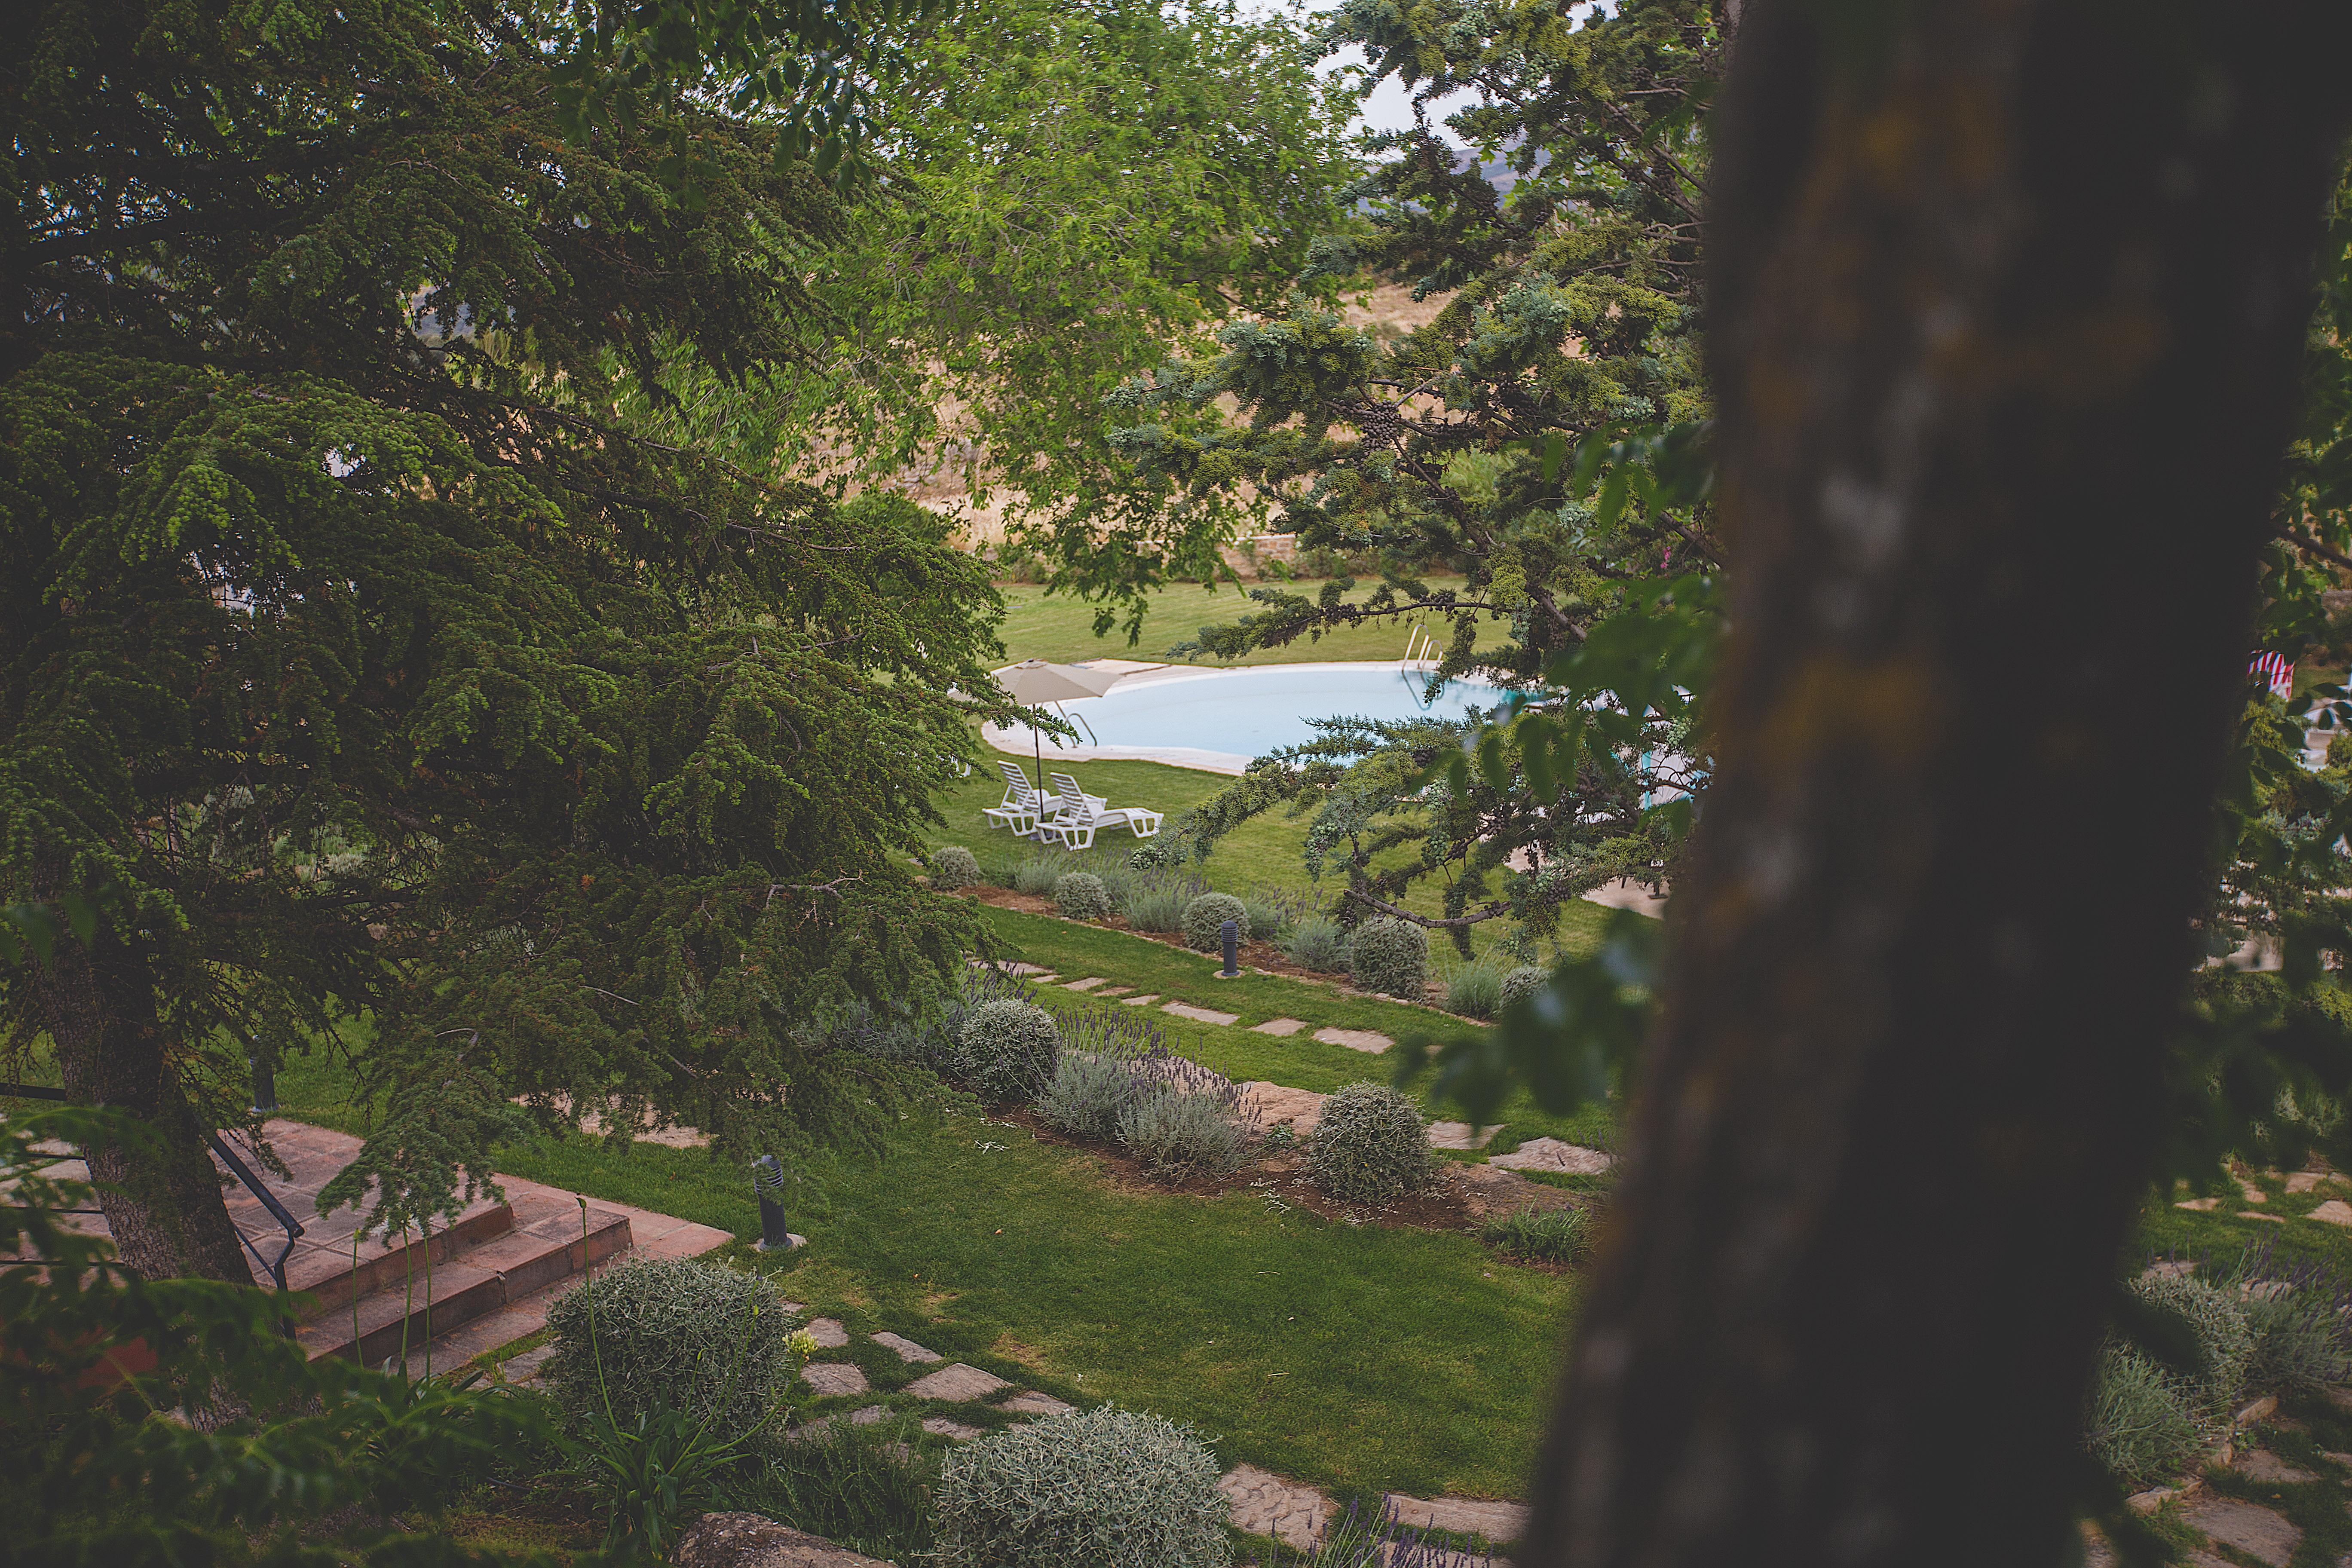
[1419, 649]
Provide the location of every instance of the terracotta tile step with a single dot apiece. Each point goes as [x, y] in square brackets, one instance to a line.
[324, 1271]
[477, 1281]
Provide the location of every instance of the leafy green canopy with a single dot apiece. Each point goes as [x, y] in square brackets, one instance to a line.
[379, 666]
[1569, 327]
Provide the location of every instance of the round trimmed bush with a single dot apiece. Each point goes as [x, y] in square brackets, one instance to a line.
[1205, 917]
[1008, 1050]
[1521, 984]
[954, 867]
[1099, 1489]
[697, 1337]
[1389, 956]
[1081, 896]
[2212, 1319]
[1370, 1146]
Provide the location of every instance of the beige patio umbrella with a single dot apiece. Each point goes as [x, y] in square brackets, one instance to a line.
[1035, 682]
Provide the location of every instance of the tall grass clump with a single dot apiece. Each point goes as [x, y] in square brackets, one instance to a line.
[1099, 1489]
[1542, 1236]
[1475, 990]
[1318, 942]
[1088, 1095]
[2202, 1327]
[1036, 872]
[1156, 909]
[1519, 985]
[2298, 1314]
[865, 1487]
[1176, 1134]
[2141, 1424]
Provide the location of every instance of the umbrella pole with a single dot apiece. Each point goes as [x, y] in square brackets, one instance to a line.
[1037, 751]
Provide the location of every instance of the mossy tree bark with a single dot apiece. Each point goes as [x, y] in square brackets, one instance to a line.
[2007, 304]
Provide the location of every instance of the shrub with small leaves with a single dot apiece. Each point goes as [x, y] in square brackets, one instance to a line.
[1389, 956]
[1519, 984]
[1370, 1146]
[1037, 873]
[1100, 1488]
[2139, 1423]
[2209, 1321]
[1008, 1050]
[954, 867]
[2298, 1339]
[1474, 991]
[1088, 1094]
[1205, 917]
[1081, 896]
[1178, 1135]
[1318, 942]
[678, 1332]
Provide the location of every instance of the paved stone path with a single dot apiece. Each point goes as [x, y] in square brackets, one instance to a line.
[1460, 1135]
[833, 1377]
[1148, 996]
[1371, 1041]
[958, 1381]
[909, 1351]
[1551, 1154]
[1284, 1026]
[1089, 984]
[1200, 1014]
[828, 1333]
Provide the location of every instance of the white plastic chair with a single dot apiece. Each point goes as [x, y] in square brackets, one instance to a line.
[1024, 806]
[1082, 813]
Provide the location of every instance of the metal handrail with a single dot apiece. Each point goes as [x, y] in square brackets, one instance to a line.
[237, 1168]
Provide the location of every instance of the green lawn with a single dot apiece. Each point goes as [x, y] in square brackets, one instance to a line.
[1061, 628]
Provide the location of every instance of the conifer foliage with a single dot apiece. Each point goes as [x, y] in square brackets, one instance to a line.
[373, 664]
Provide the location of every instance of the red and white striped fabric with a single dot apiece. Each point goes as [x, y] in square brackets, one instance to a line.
[2276, 669]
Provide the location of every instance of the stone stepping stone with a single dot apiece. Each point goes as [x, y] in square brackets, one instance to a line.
[2257, 1532]
[2199, 1205]
[1273, 1102]
[1031, 1402]
[1138, 1000]
[2335, 1211]
[1460, 1135]
[1497, 1521]
[828, 1333]
[1046, 979]
[2307, 1181]
[2252, 1193]
[954, 1431]
[1265, 1504]
[1089, 984]
[1200, 1014]
[868, 1415]
[909, 1351]
[1114, 990]
[2266, 1218]
[2262, 1465]
[1551, 1154]
[1018, 969]
[746, 1538]
[1369, 1041]
[833, 1377]
[1278, 1026]
[956, 1381]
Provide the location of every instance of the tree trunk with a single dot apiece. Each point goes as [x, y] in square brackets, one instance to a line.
[162, 1201]
[2007, 301]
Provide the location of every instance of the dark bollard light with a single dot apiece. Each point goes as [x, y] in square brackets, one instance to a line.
[265, 1088]
[768, 1183]
[1232, 932]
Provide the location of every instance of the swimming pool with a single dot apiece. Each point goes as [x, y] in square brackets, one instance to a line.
[1219, 720]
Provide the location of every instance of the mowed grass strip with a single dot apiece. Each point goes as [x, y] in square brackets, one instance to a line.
[1060, 627]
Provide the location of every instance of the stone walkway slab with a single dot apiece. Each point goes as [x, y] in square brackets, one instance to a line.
[2257, 1532]
[732, 1540]
[957, 1381]
[2199, 1205]
[1031, 1402]
[1460, 1135]
[2335, 1211]
[1551, 1154]
[1089, 984]
[954, 1431]
[1265, 1504]
[828, 1333]
[832, 1377]
[1369, 1041]
[1114, 990]
[909, 1351]
[2306, 1181]
[1138, 1000]
[1273, 1102]
[1284, 1026]
[1200, 1014]
[1497, 1521]
[2262, 1465]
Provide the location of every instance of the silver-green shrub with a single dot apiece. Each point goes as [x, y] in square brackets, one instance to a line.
[1177, 1134]
[1474, 991]
[1081, 896]
[1205, 917]
[1519, 984]
[1267, 918]
[1100, 1488]
[1319, 942]
[1389, 956]
[1008, 1050]
[2141, 1424]
[695, 1336]
[1370, 1146]
[1037, 872]
[1088, 1094]
[1156, 909]
[2215, 1322]
[954, 867]
[2298, 1339]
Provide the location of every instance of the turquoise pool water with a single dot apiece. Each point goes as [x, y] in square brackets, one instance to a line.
[1234, 715]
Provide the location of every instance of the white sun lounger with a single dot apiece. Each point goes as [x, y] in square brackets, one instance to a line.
[1024, 805]
[1082, 813]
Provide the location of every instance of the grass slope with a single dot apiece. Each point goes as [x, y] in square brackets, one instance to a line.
[1061, 628]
